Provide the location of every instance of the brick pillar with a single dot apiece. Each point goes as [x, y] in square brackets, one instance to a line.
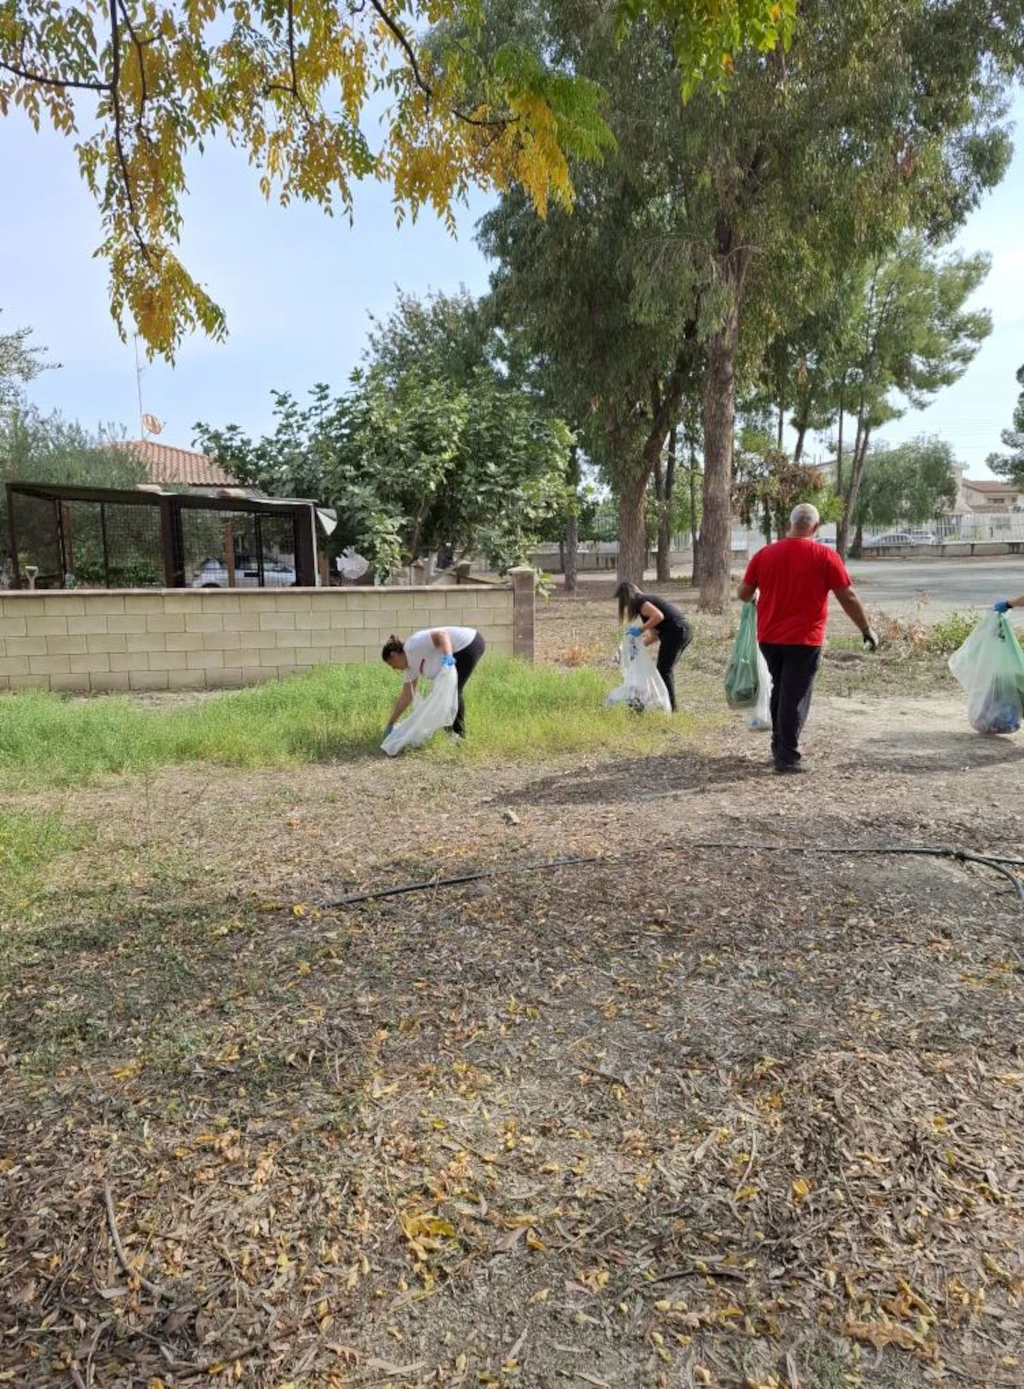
[523, 584]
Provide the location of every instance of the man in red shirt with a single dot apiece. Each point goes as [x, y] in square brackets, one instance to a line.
[793, 579]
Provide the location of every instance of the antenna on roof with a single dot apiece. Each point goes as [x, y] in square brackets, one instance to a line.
[149, 423]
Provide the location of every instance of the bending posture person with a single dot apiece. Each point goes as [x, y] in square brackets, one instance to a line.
[656, 620]
[423, 655]
[793, 579]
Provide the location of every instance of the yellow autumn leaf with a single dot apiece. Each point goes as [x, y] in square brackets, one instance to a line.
[801, 1189]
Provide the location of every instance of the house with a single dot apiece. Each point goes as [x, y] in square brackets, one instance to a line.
[988, 497]
[170, 467]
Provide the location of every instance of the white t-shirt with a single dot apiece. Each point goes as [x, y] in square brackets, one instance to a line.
[424, 657]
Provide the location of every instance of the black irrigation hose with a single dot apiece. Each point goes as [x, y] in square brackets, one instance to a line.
[997, 863]
[431, 883]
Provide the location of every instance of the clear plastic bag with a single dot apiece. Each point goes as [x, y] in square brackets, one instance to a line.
[642, 687]
[990, 667]
[429, 713]
[741, 673]
[760, 720]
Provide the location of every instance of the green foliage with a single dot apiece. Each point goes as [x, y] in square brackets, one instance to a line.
[911, 483]
[706, 33]
[19, 364]
[432, 445]
[948, 634]
[516, 711]
[769, 485]
[916, 334]
[1011, 466]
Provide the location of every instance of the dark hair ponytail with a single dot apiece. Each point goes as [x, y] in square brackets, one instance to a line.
[629, 598]
[394, 646]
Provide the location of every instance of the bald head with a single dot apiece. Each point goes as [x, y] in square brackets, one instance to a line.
[804, 519]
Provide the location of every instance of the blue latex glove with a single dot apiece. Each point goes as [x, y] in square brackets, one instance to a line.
[634, 631]
[448, 660]
[1003, 606]
[389, 728]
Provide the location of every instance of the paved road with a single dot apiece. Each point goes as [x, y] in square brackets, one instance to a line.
[937, 586]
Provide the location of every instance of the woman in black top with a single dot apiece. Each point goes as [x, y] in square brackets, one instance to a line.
[656, 620]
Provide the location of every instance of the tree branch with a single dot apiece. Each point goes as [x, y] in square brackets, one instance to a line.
[405, 44]
[115, 103]
[64, 84]
[402, 39]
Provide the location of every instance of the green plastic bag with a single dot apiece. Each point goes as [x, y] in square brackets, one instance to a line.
[990, 667]
[741, 673]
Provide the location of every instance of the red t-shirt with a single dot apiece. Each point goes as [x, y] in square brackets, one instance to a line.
[793, 578]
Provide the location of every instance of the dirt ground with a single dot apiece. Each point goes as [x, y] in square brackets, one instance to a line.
[695, 1112]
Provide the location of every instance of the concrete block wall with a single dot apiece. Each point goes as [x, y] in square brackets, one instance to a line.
[203, 638]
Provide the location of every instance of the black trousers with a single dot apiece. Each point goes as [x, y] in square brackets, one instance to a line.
[793, 669]
[465, 663]
[672, 642]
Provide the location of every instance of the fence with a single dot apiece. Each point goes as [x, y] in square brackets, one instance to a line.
[87, 537]
[174, 639]
[979, 527]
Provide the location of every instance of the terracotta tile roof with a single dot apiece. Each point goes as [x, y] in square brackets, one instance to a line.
[994, 489]
[178, 467]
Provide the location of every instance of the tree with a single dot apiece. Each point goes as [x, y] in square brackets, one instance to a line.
[737, 217]
[769, 484]
[616, 341]
[20, 363]
[915, 337]
[906, 485]
[291, 82]
[432, 446]
[1012, 466]
[881, 117]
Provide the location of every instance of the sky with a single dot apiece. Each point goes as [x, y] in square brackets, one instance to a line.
[297, 287]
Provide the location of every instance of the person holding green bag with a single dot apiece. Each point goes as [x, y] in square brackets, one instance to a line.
[741, 682]
[1005, 604]
[793, 579]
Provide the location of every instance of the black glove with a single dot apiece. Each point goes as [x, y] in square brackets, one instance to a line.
[870, 638]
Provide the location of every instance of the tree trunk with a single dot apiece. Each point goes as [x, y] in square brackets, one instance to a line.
[781, 426]
[571, 539]
[801, 434]
[719, 424]
[632, 528]
[570, 546]
[857, 548]
[839, 445]
[860, 453]
[666, 492]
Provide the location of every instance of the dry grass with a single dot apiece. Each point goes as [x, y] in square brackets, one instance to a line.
[682, 1117]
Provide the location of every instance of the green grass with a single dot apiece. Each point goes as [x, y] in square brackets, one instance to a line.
[514, 710]
[29, 842]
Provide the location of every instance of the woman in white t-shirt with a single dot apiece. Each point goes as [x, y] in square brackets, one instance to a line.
[423, 654]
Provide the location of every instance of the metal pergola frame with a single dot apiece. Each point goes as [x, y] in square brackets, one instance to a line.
[170, 506]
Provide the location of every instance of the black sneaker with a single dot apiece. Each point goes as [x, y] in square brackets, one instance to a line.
[789, 768]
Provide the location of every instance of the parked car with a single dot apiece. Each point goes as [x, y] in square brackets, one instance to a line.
[892, 539]
[213, 573]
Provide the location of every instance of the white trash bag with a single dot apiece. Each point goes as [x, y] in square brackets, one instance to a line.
[761, 719]
[642, 687]
[429, 713]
